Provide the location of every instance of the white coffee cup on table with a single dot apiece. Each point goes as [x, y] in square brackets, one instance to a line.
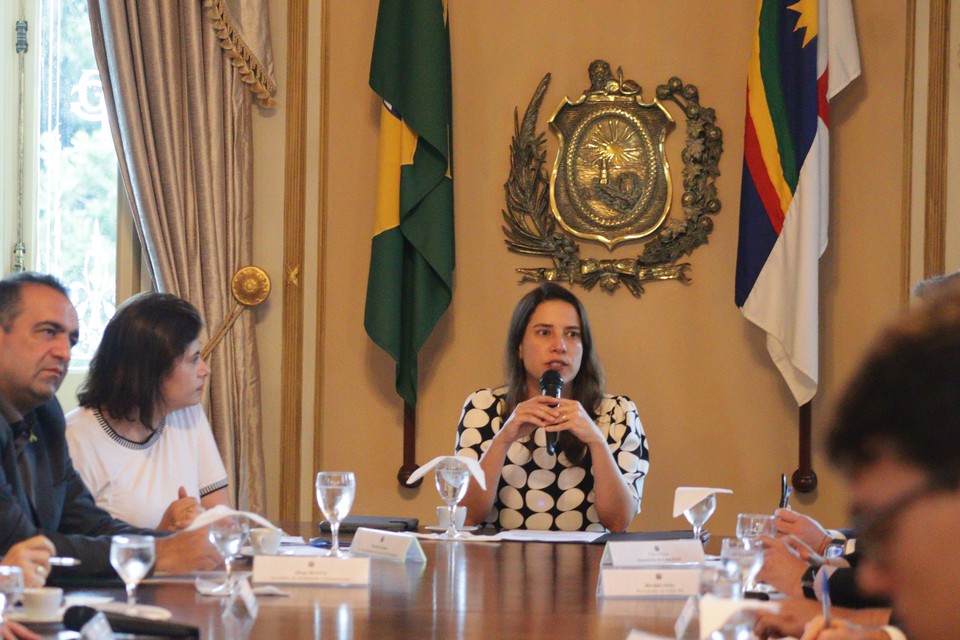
[266, 542]
[42, 603]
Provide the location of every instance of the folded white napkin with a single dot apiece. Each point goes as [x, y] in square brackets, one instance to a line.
[472, 464]
[686, 497]
[222, 511]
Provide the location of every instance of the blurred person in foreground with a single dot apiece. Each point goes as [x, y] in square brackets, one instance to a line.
[803, 552]
[896, 438]
[40, 491]
[594, 479]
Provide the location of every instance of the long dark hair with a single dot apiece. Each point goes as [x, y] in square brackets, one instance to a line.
[140, 346]
[587, 386]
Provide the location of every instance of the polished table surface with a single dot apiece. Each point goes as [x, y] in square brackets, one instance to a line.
[464, 590]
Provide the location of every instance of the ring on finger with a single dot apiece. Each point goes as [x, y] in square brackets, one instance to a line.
[40, 570]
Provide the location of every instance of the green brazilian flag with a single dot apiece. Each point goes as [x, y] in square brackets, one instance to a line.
[410, 283]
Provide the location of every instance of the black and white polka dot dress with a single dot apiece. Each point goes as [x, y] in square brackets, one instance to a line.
[542, 491]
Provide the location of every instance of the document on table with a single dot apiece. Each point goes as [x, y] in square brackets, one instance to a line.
[529, 535]
[524, 535]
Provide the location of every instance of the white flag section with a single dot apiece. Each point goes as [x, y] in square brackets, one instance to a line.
[784, 300]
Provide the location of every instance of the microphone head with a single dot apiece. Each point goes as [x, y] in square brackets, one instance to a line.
[76, 616]
[551, 382]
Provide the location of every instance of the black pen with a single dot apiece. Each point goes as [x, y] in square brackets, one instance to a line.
[785, 491]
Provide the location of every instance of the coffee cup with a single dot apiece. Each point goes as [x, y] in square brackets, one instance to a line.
[266, 542]
[42, 603]
[443, 517]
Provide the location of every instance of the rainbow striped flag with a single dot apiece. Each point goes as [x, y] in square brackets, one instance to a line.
[410, 283]
[804, 53]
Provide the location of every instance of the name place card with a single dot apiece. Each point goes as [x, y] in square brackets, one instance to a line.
[637, 634]
[715, 612]
[649, 582]
[687, 626]
[351, 572]
[387, 544]
[640, 552]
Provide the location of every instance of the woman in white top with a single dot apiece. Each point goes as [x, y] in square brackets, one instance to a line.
[140, 439]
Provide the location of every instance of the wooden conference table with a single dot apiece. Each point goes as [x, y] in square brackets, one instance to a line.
[465, 590]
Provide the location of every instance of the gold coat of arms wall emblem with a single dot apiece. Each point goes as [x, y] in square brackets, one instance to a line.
[611, 180]
[611, 183]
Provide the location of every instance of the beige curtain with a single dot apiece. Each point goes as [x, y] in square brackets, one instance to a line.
[179, 81]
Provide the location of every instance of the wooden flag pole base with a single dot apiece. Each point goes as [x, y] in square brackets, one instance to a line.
[804, 479]
[404, 474]
[409, 448]
[804, 482]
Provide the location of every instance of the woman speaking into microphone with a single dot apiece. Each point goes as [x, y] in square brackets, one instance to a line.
[573, 461]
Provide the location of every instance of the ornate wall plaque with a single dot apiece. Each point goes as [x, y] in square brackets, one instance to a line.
[611, 180]
[611, 183]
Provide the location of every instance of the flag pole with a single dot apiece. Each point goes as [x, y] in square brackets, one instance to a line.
[805, 478]
[409, 447]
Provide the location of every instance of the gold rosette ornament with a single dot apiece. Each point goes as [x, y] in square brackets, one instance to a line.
[250, 287]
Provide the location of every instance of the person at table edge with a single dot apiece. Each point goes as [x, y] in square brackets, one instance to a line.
[40, 491]
[595, 479]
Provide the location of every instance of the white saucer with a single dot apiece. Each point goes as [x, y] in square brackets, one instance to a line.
[148, 611]
[21, 616]
[438, 529]
[85, 601]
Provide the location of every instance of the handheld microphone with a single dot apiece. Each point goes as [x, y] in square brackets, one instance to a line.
[75, 617]
[551, 384]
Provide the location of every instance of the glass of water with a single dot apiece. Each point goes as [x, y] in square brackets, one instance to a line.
[723, 580]
[698, 514]
[132, 557]
[748, 554]
[754, 525]
[11, 587]
[228, 536]
[452, 478]
[335, 493]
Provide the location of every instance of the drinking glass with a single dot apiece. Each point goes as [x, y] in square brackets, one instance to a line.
[228, 536]
[335, 492]
[754, 525]
[748, 554]
[452, 478]
[723, 580]
[698, 514]
[132, 557]
[11, 587]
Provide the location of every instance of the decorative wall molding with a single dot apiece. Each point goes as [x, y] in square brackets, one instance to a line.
[321, 244]
[907, 153]
[938, 80]
[294, 194]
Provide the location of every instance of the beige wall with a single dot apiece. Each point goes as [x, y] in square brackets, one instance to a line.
[714, 408]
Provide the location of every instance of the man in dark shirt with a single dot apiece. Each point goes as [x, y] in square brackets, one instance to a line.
[40, 492]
